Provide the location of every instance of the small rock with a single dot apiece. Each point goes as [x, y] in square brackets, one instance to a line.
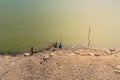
[118, 67]
[27, 54]
[91, 54]
[75, 65]
[96, 55]
[41, 62]
[117, 71]
[77, 52]
[107, 51]
[112, 50]
[46, 57]
[117, 50]
[52, 54]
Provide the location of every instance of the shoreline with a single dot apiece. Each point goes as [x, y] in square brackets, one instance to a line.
[105, 50]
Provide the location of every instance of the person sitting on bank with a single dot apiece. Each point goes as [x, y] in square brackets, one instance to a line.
[60, 45]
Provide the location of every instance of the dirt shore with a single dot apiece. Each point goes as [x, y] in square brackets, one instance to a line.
[62, 64]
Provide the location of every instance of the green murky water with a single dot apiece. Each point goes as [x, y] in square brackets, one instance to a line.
[26, 23]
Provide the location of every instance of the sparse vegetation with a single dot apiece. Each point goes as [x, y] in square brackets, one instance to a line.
[53, 44]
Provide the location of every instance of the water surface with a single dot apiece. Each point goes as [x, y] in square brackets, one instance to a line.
[26, 23]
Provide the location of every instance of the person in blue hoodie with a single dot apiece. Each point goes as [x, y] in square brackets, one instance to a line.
[60, 45]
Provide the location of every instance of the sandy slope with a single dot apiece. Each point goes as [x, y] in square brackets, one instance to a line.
[65, 64]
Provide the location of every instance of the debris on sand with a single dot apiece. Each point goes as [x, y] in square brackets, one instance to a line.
[91, 54]
[107, 51]
[27, 54]
[46, 57]
[118, 67]
[52, 54]
[32, 50]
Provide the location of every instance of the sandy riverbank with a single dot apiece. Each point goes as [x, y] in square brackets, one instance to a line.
[62, 64]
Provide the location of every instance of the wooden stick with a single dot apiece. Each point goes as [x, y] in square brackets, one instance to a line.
[89, 37]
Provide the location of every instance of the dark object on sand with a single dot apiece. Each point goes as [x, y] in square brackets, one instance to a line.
[32, 50]
[60, 46]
